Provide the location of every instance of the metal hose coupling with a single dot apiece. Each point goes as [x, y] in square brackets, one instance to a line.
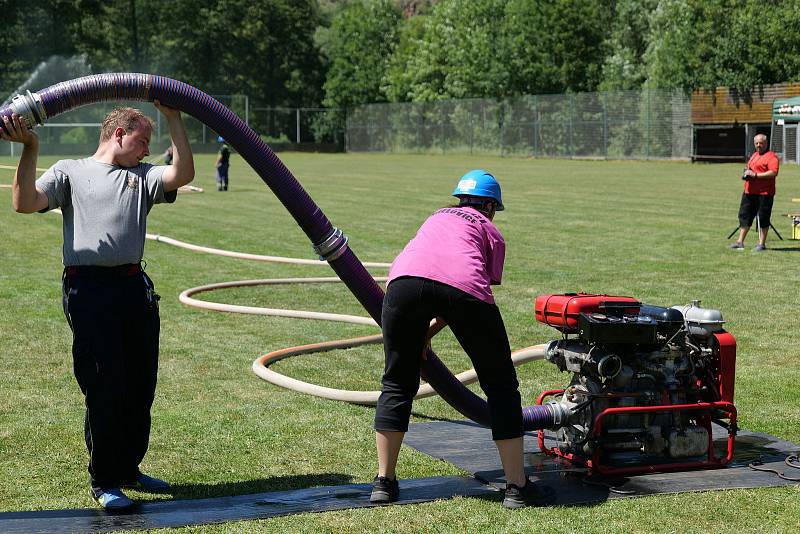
[560, 413]
[332, 246]
[548, 415]
[29, 107]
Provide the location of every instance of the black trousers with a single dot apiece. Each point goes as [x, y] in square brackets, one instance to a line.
[408, 308]
[115, 324]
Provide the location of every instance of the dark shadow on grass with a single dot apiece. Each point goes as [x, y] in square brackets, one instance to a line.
[59, 514]
[784, 249]
[279, 483]
[434, 418]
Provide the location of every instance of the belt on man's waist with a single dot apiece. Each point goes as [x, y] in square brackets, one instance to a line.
[99, 271]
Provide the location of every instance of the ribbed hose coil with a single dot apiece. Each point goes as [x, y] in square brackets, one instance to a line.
[72, 94]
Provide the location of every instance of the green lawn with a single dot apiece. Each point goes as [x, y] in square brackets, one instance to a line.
[652, 230]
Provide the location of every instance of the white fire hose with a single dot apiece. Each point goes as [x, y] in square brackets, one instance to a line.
[262, 363]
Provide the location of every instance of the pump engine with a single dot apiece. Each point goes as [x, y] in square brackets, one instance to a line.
[647, 382]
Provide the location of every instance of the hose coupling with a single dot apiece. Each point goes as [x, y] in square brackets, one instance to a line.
[559, 412]
[29, 107]
[332, 246]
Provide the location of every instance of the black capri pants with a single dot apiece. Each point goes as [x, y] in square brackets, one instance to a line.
[409, 306]
[753, 205]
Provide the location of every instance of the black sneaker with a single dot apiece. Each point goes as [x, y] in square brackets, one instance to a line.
[527, 495]
[384, 490]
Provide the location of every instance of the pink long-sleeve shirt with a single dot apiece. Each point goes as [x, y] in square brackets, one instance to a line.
[459, 247]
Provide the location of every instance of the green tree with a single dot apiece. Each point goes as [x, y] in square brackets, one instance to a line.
[256, 47]
[624, 65]
[532, 67]
[118, 36]
[498, 48]
[760, 46]
[682, 49]
[34, 32]
[398, 80]
[554, 47]
[458, 56]
[705, 44]
[362, 38]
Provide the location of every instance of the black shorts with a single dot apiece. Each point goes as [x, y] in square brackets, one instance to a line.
[753, 205]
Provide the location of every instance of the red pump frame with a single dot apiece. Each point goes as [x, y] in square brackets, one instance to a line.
[725, 375]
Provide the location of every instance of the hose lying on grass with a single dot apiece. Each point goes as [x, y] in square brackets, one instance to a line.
[262, 363]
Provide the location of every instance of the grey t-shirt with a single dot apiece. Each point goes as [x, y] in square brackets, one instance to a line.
[104, 208]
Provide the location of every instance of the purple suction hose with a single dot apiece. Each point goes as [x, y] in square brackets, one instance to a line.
[327, 240]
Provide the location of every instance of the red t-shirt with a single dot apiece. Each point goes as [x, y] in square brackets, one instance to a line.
[767, 161]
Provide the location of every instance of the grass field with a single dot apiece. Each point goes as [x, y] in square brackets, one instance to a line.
[652, 230]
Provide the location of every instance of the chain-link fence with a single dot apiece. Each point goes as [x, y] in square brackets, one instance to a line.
[783, 141]
[620, 125]
[643, 124]
[77, 132]
[322, 128]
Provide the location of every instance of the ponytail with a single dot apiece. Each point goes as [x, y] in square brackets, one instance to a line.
[483, 204]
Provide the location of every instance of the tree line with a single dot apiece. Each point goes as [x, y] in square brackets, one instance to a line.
[309, 53]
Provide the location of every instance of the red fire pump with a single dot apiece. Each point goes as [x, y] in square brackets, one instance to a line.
[647, 383]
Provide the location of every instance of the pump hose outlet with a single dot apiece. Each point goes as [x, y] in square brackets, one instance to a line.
[66, 96]
[548, 415]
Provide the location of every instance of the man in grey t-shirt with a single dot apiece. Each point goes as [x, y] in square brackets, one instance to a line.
[109, 302]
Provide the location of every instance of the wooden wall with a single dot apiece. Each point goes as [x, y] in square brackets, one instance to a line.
[724, 107]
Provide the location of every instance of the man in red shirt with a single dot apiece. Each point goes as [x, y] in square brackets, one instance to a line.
[759, 193]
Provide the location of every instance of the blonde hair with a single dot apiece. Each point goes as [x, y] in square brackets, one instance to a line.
[127, 118]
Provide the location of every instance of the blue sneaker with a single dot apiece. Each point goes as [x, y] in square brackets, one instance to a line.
[759, 248]
[111, 499]
[150, 484]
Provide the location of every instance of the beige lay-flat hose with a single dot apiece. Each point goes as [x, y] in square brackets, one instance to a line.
[261, 368]
[261, 364]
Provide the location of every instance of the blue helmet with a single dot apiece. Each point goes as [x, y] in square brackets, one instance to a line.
[220, 139]
[479, 183]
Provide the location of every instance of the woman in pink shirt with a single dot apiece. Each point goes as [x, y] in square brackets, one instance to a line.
[444, 275]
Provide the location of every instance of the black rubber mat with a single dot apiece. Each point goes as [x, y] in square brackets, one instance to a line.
[470, 447]
[236, 508]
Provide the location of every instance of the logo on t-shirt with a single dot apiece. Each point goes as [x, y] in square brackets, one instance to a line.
[463, 214]
[133, 181]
